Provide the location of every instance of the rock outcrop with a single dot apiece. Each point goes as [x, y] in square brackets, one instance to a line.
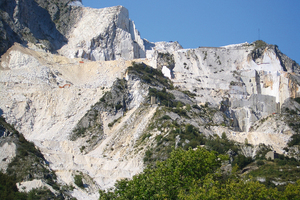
[104, 34]
[238, 73]
[42, 23]
[91, 115]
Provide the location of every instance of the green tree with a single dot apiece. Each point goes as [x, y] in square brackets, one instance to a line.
[211, 188]
[168, 177]
[8, 188]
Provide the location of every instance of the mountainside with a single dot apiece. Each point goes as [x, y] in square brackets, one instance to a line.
[100, 102]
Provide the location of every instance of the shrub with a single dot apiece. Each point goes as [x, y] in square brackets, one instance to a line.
[241, 161]
[295, 140]
[165, 117]
[78, 181]
[260, 44]
[168, 177]
[260, 163]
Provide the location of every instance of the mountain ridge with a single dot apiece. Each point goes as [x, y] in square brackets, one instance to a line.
[105, 103]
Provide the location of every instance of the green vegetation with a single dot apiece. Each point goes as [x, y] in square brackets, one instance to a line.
[149, 75]
[9, 190]
[221, 145]
[259, 44]
[283, 169]
[165, 98]
[78, 181]
[297, 99]
[292, 117]
[195, 174]
[27, 165]
[7, 126]
[113, 122]
[205, 55]
[168, 58]
[190, 94]
[115, 99]
[242, 161]
[180, 134]
[210, 188]
[78, 132]
[166, 179]
[295, 140]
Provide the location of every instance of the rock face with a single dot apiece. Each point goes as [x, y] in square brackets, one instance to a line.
[94, 34]
[256, 86]
[50, 94]
[85, 111]
[43, 23]
[104, 34]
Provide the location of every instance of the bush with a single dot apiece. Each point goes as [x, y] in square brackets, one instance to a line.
[260, 44]
[295, 140]
[8, 188]
[168, 177]
[260, 163]
[165, 98]
[149, 75]
[297, 99]
[242, 161]
[165, 117]
[78, 181]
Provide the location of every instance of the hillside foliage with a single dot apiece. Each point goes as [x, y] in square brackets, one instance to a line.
[194, 174]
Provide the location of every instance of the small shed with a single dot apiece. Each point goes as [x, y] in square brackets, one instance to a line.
[272, 155]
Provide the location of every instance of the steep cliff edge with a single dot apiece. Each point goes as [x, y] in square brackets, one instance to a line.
[42, 23]
[25, 166]
[104, 34]
[96, 112]
[48, 97]
[94, 34]
[251, 76]
[45, 95]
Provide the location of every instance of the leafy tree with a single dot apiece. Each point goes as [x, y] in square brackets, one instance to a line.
[292, 191]
[168, 177]
[210, 188]
[242, 161]
[8, 188]
[194, 174]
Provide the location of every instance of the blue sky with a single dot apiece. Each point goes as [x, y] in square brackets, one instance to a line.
[214, 23]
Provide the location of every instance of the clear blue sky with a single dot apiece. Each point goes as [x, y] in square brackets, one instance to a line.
[215, 23]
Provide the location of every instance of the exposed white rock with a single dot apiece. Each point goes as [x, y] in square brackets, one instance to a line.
[104, 34]
[76, 3]
[230, 72]
[45, 96]
[167, 72]
[27, 186]
[7, 154]
[46, 99]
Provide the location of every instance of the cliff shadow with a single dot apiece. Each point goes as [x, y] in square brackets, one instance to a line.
[26, 21]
